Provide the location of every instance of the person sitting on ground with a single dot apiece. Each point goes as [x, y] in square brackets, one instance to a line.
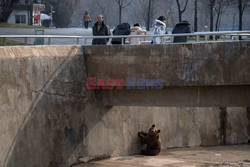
[182, 27]
[159, 29]
[136, 30]
[121, 29]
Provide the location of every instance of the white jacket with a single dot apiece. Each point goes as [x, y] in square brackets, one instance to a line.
[136, 31]
[159, 29]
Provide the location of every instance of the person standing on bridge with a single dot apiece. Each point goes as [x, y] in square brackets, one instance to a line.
[136, 30]
[121, 29]
[100, 29]
[180, 28]
[86, 19]
[159, 29]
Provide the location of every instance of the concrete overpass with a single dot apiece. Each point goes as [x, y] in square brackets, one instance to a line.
[49, 118]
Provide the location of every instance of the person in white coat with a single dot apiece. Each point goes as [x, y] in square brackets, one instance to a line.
[136, 30]
[159, 29]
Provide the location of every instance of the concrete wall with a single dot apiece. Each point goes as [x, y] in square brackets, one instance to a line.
[191, 64]
[194, 75]
[48, 118]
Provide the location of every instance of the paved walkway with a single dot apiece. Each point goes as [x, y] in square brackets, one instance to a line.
[49, 31]
[220, 156]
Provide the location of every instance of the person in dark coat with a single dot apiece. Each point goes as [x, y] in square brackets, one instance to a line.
[182, 27]
[100, 29]
[121, 29]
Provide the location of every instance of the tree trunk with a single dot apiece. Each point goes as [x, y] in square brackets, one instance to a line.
[234, 15]
[211, 15]
[195, 17]
[3, 19]
[240, 14]
[217, 21]
[149, 14]
[7, 7]
[240, 17]
[179, 10]
[30, 8]
[120, 14]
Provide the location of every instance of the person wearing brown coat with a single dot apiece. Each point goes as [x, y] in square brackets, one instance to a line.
[136, 30]
[86, 19]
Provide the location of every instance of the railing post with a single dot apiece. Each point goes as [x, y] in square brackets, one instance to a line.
[122, 41]
[25, 40]
[49, 40]
[206, 38]
[85, 41]
[162, 40]
[77, 41]
[197, 38]
[3, 41]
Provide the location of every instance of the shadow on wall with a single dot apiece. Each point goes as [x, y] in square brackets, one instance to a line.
[55, 124]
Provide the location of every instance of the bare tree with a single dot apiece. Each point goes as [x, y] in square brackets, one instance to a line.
[138, 10]
[195, 16]
[30, 11]
[7, 7]
[220, 7]
[150, 7]
[211, 5]
[149, 13]
[171, 12]
[181, 11]
[145, 11]
[121, 5]
[242, 4]
[63, 11]
[104, 8]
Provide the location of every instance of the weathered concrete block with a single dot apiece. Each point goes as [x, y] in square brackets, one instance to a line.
[237, 125]
[48, 118]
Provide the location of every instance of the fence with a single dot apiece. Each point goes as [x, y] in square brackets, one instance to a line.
[167, 38]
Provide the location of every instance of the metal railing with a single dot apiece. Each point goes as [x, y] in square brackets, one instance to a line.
[166, 38]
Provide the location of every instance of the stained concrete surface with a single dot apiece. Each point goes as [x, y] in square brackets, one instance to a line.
[220, 156]
[49, 119]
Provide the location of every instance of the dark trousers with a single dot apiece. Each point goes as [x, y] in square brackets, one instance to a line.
[86, 24]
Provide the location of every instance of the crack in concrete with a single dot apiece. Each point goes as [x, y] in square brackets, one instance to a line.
[58, 94]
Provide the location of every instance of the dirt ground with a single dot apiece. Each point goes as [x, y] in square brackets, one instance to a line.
[219, 156]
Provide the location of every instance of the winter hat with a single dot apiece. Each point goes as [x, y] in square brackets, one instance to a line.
[137, 25]
[162, 18]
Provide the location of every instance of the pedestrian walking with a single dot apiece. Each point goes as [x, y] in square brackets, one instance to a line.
[182, 27]
[159, 29]
[100, 29]
[86, 19]
[136, 30]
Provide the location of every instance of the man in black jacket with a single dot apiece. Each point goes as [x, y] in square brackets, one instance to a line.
[182, 27]
[100, 29]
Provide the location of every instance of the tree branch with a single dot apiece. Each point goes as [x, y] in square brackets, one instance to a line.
[184, 6]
